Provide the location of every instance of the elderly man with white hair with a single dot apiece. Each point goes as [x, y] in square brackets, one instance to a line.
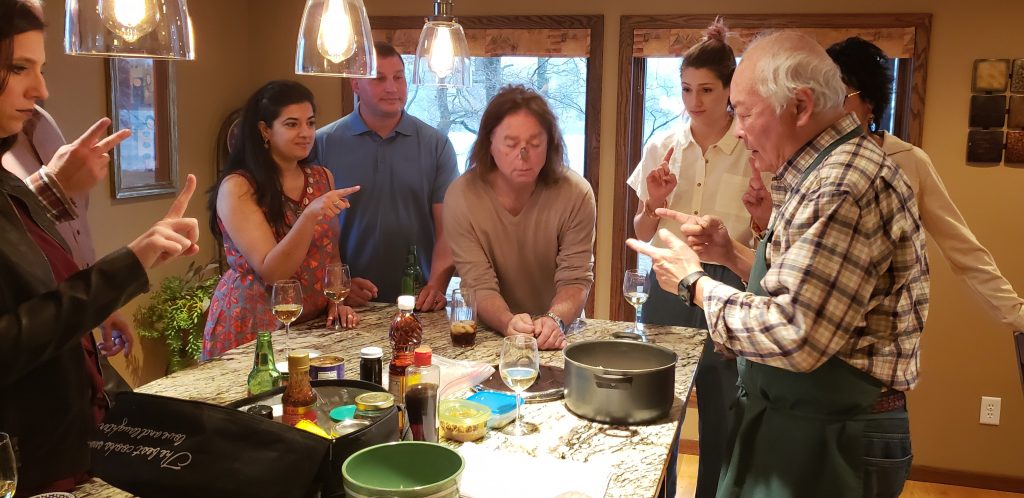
[827, 333]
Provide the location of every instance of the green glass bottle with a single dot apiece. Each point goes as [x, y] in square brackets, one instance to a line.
[412, 276]
[264, 375]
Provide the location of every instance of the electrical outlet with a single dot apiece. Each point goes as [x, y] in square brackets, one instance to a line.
[990, 410]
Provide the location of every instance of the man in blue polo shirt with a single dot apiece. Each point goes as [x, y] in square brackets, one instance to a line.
[404, 167]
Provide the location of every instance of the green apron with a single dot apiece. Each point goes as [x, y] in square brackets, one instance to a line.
[798, 434]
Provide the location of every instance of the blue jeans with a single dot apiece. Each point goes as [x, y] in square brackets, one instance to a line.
[887, 454]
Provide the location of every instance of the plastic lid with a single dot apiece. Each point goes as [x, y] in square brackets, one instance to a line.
[371, 352]
[422, 356]
[462, 412]
[298, 359]
[374, 401]
[264, 411]
[343, 412]
[499, 403]
[406, 303]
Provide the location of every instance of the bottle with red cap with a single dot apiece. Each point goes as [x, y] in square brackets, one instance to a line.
[423, 379]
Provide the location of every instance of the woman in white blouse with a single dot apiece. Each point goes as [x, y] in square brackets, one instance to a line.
[699, 168]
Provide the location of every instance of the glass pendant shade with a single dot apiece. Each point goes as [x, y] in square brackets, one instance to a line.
[442, 56]
[156, 29]
[335, 40]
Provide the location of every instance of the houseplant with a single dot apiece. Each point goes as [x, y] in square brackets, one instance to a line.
[176, 313]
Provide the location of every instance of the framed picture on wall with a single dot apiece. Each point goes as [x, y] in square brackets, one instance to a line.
[142, 100]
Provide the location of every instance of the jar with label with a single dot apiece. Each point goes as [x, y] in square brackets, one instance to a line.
[298, 400]
[370, 406]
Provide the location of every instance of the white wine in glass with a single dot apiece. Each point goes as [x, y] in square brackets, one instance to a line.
[636, 289]
[337, 285]
[8, 467]
[519, 366]
[286, 304]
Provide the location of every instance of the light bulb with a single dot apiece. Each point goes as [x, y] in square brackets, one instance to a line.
[129, 19]
[335, 40]
[441, 60]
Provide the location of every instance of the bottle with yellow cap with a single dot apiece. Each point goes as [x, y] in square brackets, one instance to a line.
[298, 400]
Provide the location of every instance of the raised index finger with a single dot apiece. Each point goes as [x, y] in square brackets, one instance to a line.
[179, 205]
[755, 178]
[104, 146]
[668, 155]
[94, 133]
[347, 191]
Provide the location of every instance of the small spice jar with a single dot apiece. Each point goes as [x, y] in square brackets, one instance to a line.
[370, 406]
[371, 365]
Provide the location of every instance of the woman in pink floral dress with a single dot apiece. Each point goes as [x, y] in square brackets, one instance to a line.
[277, 216]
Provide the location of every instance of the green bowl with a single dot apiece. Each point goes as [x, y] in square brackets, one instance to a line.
[406, 469]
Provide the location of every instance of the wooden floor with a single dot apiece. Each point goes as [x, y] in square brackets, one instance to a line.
[687, 482]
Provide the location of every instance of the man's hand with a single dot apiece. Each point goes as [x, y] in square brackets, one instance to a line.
[705, 235]
[363, 291]
[549, 336]
[80, 165]
[660, 182]
[118, 335]
[171, 237]
[431, 298]
[758, 200]
[520, 324]
[672, 263]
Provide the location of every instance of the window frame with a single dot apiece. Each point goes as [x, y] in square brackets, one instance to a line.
[630, 101]
[595, 58]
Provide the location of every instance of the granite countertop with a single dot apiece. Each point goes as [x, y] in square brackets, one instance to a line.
[638, 455]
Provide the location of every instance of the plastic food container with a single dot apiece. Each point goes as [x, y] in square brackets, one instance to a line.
[502, 406]
[463, 420]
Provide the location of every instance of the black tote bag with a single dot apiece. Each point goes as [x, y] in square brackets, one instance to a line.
[155, 446]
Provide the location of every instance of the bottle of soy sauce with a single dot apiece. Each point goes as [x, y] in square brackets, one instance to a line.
[423, 379]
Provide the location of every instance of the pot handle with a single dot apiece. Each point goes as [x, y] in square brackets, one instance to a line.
[608, 381]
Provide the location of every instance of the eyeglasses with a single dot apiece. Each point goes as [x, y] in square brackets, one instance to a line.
[851, 94]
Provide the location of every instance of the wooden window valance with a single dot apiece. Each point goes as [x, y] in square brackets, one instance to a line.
[674, 42]
[530, 42]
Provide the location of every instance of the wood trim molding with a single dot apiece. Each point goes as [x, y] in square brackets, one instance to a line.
[630, 96]
[967, 479]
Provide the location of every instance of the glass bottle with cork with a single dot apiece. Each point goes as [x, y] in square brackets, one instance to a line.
[264, 375]
[423, 379]
[298, 400]
[412, 276]
[406, 334]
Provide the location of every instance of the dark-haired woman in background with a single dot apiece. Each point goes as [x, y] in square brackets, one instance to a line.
[277, 216]
[700, 168]
[868, 79]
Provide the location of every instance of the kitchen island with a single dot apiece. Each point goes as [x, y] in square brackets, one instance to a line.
[638, 455]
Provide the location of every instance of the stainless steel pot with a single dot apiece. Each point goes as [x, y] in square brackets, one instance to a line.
[619, 381]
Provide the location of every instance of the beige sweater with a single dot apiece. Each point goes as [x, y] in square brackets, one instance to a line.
[526, 258]
[948, 229]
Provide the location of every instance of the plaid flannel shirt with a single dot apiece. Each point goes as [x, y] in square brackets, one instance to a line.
[59, 207]
[848, 271]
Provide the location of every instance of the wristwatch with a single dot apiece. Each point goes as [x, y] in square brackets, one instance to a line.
[687, 284]
[557, 319]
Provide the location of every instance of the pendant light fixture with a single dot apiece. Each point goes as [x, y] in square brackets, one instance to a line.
[156, 29]
[442, 54]
[335, 40]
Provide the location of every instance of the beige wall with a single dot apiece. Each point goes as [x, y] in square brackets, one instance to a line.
[965, 353]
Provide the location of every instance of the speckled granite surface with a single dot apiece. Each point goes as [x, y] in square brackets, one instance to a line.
[637, 454]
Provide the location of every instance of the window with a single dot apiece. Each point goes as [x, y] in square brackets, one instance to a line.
[457, 112]
[650, 64]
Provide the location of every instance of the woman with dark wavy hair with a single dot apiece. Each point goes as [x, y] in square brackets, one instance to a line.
[277, 217]
[521, 224]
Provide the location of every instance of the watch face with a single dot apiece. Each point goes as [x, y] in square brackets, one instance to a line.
[684, 291]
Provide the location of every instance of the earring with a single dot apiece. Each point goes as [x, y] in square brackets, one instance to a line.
[266, 143]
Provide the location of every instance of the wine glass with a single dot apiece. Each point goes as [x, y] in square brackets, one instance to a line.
[286, 303]
[8, 468]
[635, 288]
[337, 284]
[519, 367]
[462, 318]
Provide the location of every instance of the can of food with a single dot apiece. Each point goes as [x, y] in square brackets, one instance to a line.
[327, 367]
[349, 426]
